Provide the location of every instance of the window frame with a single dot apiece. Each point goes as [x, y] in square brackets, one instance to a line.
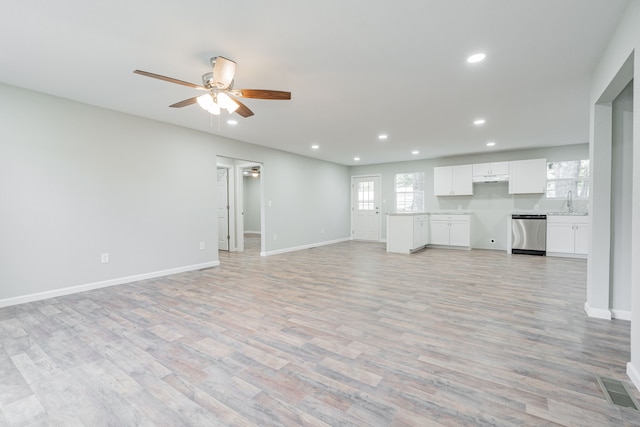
[575, 183]
[416, 178]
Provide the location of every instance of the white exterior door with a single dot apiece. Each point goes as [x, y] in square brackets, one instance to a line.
[365, 208]
[223, 209]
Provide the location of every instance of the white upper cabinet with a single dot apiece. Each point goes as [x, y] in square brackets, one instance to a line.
[453, 180]
[490, 169]
[528, 176]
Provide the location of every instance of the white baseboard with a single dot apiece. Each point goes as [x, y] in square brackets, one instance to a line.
[598, 313]
[103, 284]
[621, 314]
[252, 232]
[564, 255]
[633, 375]
[299, 248]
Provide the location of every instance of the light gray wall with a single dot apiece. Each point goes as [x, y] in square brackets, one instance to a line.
[618, 64]
[301, 196]
[490, 202]
[77, 181]
[621, 223]
[251, 204]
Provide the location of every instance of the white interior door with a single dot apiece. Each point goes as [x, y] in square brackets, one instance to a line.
[365, 208]
[223, 209]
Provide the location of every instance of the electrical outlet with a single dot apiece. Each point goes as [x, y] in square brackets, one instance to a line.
[201, 245]
[322, 231]
[275, 237]
[104, 258]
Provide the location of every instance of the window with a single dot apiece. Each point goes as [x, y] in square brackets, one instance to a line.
[366, 193]
[572, 175]
[409, 189]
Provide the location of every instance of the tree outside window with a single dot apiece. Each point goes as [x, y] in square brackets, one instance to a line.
[565, 176]
[409, 191]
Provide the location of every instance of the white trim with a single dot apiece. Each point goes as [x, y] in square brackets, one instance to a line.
[621, 314]
[457, 248]
[252, 232]
[299, 248]
[106, 283]
[567, 255]
[598, 313]
[633, 375]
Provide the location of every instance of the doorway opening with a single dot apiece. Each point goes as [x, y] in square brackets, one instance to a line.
[244, 207]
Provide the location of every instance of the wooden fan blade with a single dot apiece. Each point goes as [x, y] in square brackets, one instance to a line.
[262, 94]
[169, 79]
[185, 102]
[243, 110]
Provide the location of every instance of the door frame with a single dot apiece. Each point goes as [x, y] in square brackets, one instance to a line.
[236, 201]
[352, 202]
[228, 210]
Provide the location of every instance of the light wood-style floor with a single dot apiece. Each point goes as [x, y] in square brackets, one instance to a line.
[337, 335]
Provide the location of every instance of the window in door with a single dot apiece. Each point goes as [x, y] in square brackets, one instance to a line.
[366, 199]
[409, 191]
[565, 176]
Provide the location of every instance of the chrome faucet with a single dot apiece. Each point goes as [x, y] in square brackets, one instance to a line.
[570, 201]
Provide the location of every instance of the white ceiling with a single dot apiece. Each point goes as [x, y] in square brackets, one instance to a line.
[355, 68]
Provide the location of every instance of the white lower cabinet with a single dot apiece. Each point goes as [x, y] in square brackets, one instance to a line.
[450, 230]
[407, 233]
[567, 235]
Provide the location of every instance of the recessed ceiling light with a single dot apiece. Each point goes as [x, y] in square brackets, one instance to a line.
[357, 159]
[382, 136]
[315, 146]
[476, 58]
[479, 122]
[491, 144]
[415, 152]
[232, 122]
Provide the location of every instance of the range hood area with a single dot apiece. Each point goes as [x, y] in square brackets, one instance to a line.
[490, 178]
[490, 172]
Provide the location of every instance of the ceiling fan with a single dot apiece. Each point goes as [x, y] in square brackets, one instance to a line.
[254, 171]
[218, 85]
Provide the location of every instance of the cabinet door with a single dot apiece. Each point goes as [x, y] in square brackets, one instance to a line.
[439, 232]
[560, 237]
[424, 230]
[481, 169]
[462, 180]
[459, 233]
[581, 238]
[484, 169]
[528, 176]
[417, 234]
[442, 181]
[500, 168]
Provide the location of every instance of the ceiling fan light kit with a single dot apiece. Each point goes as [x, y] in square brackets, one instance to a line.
[219, 85]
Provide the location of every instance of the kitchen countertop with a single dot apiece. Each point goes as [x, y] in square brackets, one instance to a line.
[568, 213]
[554, 213]
[407, 213]
[450, 212]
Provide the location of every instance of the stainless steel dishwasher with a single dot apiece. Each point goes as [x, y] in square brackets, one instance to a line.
[529, 234]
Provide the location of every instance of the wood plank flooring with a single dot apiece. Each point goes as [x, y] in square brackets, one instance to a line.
[344, 335]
